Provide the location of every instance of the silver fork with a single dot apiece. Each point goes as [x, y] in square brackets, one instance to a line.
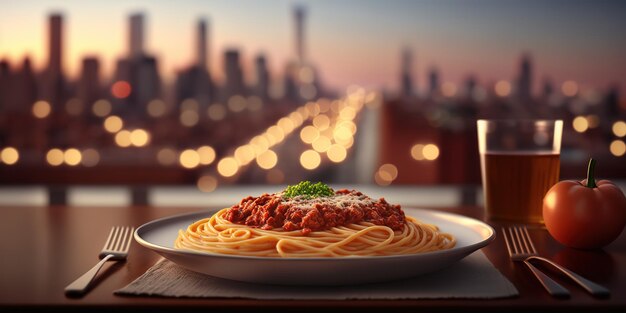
[115, 249]
[521, 248]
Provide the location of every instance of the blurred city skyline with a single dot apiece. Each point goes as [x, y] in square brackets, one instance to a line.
[349, 42]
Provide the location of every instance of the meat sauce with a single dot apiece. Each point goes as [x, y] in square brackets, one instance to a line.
[270, 211]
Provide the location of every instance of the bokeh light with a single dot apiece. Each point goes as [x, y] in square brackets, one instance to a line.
[122, 138]
[308, 134]
[617, 148]
[167, 156]
[41, 109]
[55, 157]
[189, 118]
[417, 152]
[207, 155]
[321, 144]
[121, 89]
[430, 152]
[207, 183]
[580, 124]
[337, 153]
[90, 157]
[156, 108]
[310, 159]
[569, 88]
[216, 112]
[101, 108]
[72, 157]
[502, 88]
[113, 124]
[9, 155]
[227, 167]
[139, 137]
[189, 158]
[619, 128]
[267, 160]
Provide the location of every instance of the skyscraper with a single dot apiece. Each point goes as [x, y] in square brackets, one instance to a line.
[53, 87]
[524, 80]
[299, 15]
[433, 81]
[89, 83]
[201, 58]
[234, 77]
[136, 36]
[406, 77]
[262, 78]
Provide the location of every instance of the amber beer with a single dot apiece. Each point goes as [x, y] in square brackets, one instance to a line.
[515, 182]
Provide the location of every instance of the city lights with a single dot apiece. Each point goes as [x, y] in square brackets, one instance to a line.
[216, 112]
[207, 183]
[101, 108]
[593, 121]
[267, 160]
[308, 134]
[430, 152]
[321, 122]
[237, 103]
[41, 109]
[167, 156]
[121, 89]
[113, 124]
[321, 144]
[337, 153]
[502, 88]
[72, 157]
[569, 88]
[580, 124]
[189, 118]
[90, 157]
[207, 155]
[55, 157]
[227, 167]
[617, 148]
[139, 137]
[122, 138]
[388, 172]
[619, 128]
[310, 159]
[9, 155]
[156, 108]
[448, 89]
[417, 152]
[189, 158]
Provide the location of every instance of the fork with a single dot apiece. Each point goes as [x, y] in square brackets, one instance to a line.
[521, 248]
[115, 249]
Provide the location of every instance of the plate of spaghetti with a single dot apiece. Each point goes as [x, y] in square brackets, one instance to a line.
[309, 234]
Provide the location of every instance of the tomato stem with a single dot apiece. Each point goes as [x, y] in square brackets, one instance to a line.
[591, 180]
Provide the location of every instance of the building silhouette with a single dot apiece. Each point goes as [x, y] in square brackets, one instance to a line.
[24, 87]
[433, 81]
[406, 78]
[234, 84]
[89, 89]
[54, 81]
[136, 37]
[524, 80]
[262, 78]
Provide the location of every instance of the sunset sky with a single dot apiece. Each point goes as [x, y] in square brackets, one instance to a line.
[349, 41]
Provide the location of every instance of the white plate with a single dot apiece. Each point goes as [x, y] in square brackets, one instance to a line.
[471, 235]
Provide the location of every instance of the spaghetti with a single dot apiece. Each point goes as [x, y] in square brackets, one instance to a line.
[347, 223]
[218, 235]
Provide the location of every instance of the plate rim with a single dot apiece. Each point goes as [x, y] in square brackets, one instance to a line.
[158, 248]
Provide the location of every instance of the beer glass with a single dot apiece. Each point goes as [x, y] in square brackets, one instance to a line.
[519, 162]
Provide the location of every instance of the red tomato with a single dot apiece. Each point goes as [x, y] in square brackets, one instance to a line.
[582, 215]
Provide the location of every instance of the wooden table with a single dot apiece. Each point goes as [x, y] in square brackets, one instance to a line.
[45, 248]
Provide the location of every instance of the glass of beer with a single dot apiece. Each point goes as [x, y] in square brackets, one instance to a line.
[519, 162]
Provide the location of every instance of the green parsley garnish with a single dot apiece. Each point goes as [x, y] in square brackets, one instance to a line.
[308, 190]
